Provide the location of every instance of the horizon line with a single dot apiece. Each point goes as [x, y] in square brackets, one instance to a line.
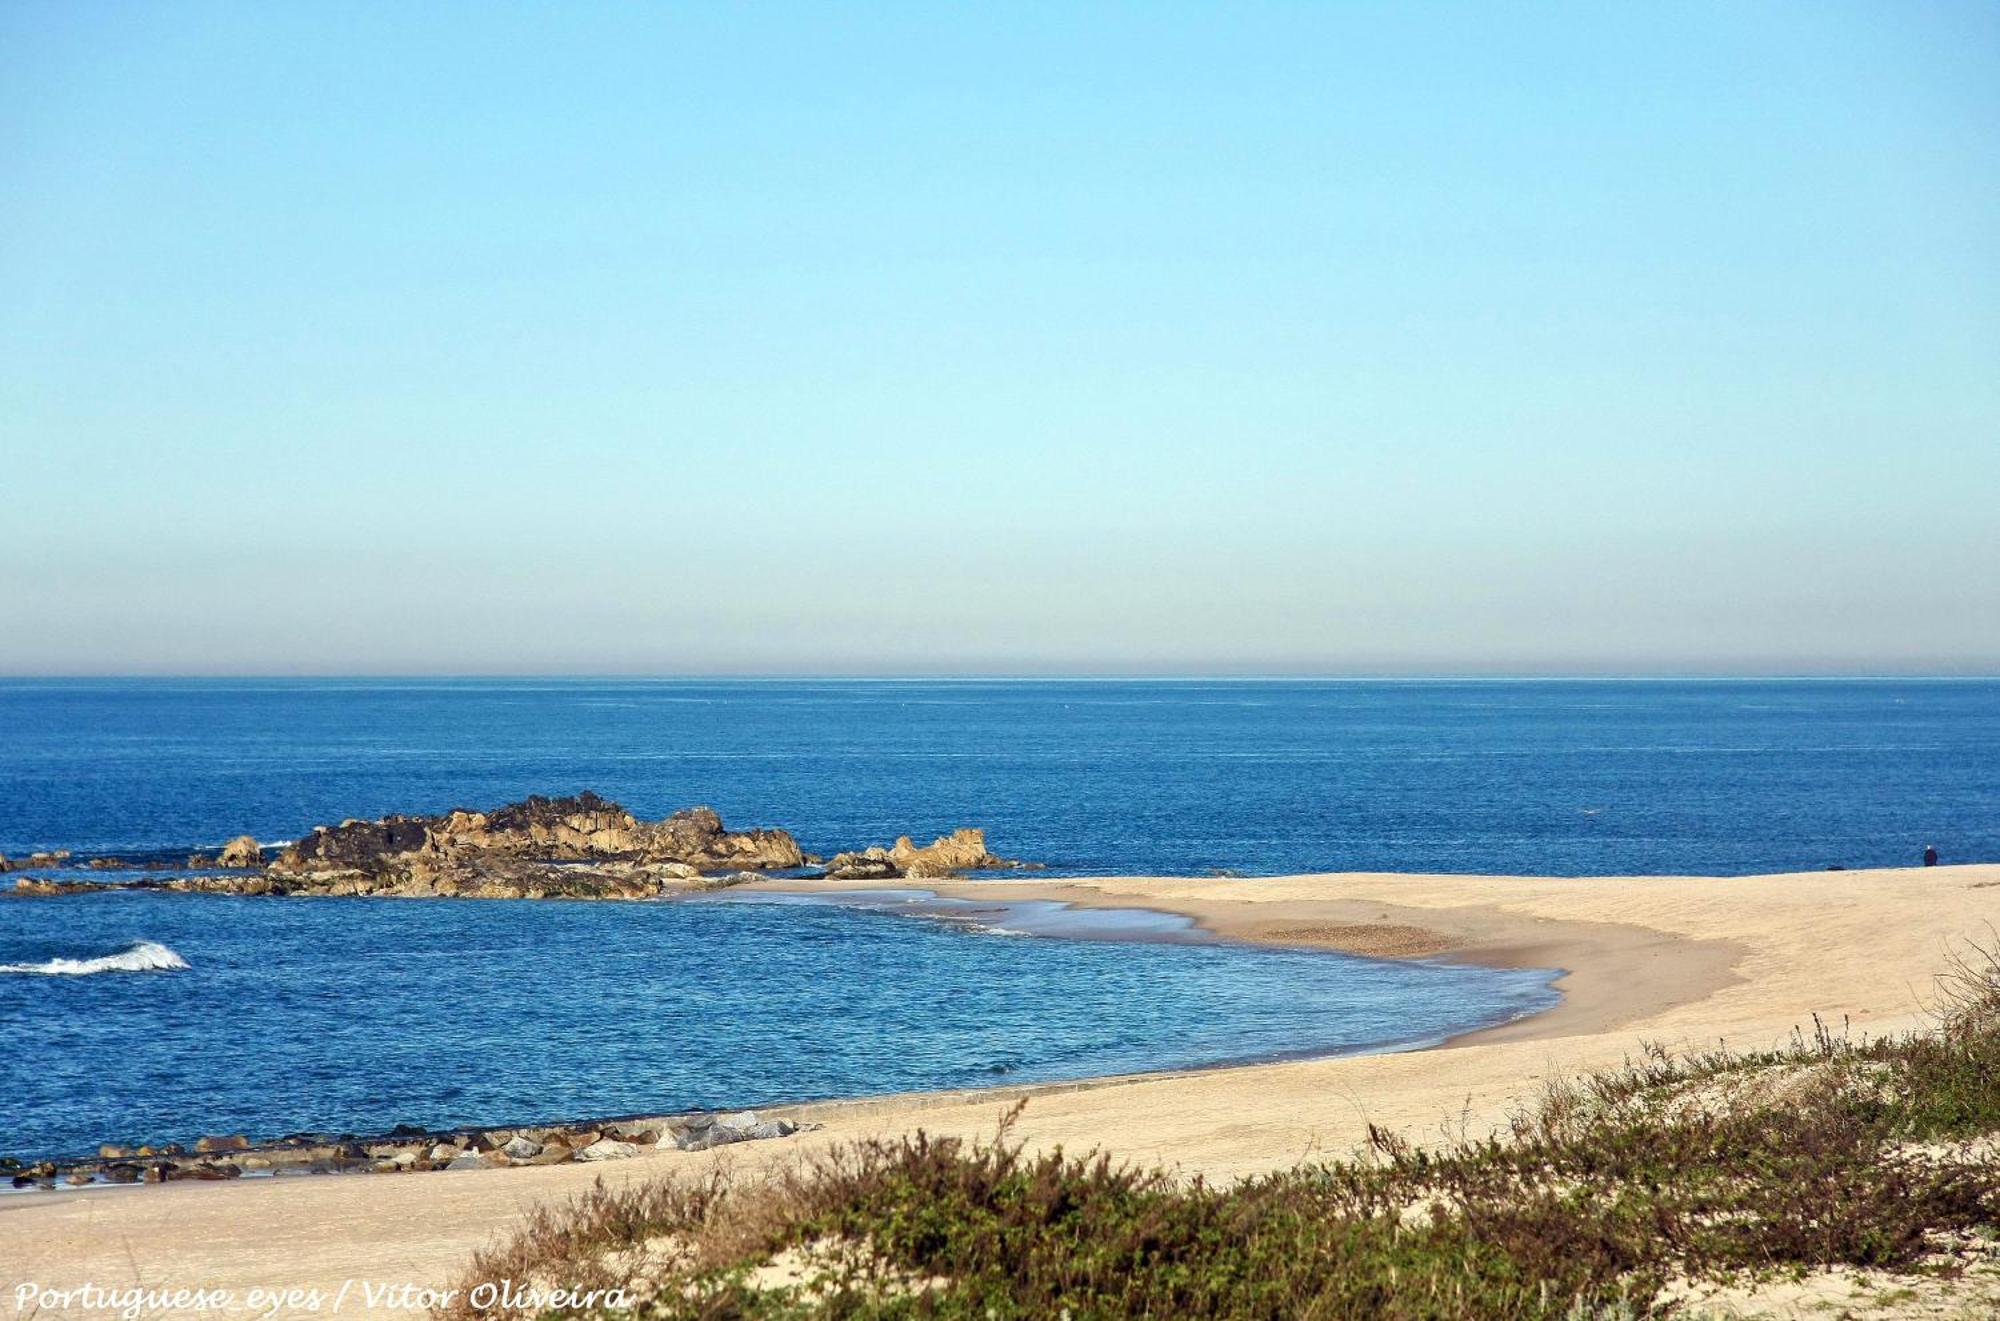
[974, 676]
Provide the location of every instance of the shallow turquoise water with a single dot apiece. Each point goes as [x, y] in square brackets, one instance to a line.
[359, 1014]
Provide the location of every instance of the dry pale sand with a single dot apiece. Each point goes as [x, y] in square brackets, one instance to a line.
[1677, 960]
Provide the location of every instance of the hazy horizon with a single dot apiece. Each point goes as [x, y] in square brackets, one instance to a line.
[1434, 340]
[365, 677]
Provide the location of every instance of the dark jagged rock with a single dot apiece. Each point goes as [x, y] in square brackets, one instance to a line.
[539, 817]
[868, 865]
[355, 845]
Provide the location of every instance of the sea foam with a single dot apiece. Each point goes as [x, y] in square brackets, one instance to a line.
[142, 956]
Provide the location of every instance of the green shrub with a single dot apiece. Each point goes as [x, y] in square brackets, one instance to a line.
[1827, 1153]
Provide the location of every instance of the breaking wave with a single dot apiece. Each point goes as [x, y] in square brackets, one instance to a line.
[142, 956]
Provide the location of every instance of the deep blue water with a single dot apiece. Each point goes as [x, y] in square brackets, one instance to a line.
[1560, 778]
[357, 1014]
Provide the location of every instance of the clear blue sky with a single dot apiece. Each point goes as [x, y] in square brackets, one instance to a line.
[1315, 338]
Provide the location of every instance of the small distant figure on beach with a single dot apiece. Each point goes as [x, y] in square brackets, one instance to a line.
[1930, 855]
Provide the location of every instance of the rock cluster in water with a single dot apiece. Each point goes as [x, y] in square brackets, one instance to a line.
[581, 846]
[960, 851]
[405, 1150]
[578, 847]
[241, 853]
[59, 858]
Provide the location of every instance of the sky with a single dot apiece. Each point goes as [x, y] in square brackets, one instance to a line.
[1148, 338]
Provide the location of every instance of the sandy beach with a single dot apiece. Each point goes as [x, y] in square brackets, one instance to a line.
[1683, 961]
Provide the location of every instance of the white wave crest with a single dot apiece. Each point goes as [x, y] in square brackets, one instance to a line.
[143, 956]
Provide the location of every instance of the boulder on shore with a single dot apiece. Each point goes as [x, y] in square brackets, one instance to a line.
[705, 1132]
[947, 855]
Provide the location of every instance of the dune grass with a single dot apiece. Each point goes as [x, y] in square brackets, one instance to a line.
[1832, 1152]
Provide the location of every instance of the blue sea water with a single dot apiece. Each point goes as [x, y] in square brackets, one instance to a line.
[360, 1014]
[1564, 778]
[356, 1014]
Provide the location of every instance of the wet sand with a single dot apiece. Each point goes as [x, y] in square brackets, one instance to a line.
[1677, 960]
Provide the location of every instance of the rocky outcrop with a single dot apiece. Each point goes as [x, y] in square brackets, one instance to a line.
[579, 828]
[581, 846]
[35, 888]
[948, 855]
[578, 847]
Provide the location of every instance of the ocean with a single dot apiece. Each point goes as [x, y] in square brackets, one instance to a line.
[355, 1015]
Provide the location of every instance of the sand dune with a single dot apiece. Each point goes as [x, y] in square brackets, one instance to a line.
[1677, 960]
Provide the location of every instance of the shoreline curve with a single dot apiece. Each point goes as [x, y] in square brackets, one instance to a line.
[1610, 973]
[1680, 961]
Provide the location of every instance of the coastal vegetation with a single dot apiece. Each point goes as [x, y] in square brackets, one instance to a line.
[1653, 1190]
